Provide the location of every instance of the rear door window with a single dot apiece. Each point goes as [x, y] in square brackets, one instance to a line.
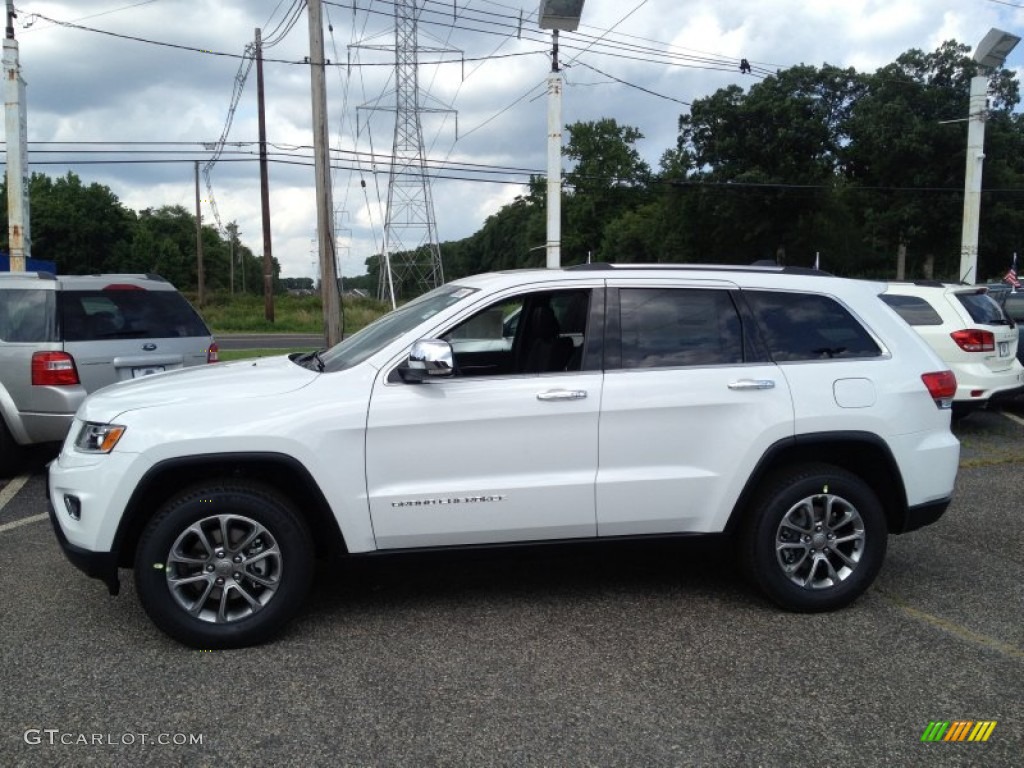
[671, 327]
[129, 313]
[809, 326]
[913, 309]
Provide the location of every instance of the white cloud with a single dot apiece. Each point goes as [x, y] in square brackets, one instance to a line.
[84, 86]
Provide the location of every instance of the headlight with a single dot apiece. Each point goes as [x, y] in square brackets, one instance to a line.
[98, 438]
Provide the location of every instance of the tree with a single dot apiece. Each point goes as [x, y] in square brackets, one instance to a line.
[765, 164]
[608, 178]
[907, 152]
[81, 228]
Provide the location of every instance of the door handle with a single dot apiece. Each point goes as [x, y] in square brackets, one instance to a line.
[562, 394]
[744, 384]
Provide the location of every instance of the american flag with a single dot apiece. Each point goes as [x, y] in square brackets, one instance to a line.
[1011, 276]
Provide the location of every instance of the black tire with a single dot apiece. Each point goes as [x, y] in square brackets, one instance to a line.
[186, 575]
[815, 538]
[11, 454]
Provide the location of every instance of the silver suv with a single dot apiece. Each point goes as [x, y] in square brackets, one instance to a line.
[63, 337]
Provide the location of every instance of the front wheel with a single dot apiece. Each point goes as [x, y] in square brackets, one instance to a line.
[224, 565]
[815, 539]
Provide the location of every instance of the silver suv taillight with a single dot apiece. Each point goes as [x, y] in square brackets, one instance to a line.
[53, 369]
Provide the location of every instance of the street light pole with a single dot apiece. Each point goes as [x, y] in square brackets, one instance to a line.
[556, 15]
[554, 223]
[19, 240]
[972, 179]
[990, 54]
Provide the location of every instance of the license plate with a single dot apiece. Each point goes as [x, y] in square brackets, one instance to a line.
[1004, 349]
[146, 371]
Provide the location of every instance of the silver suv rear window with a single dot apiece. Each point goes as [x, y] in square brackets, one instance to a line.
[127, 313]
[26, 315]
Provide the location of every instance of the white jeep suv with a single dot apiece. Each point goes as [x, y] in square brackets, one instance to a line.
[786, 408]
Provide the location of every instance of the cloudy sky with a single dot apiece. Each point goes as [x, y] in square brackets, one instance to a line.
[135, 91]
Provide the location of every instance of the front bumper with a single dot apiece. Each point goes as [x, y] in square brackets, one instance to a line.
[98, 565]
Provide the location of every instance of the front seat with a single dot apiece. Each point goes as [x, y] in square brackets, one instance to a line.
[547, 351]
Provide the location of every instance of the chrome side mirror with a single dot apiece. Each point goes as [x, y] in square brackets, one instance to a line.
[428, 358]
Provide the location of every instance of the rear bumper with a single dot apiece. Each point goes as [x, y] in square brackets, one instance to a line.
[46, 427]
[989, 385]
[98, 565]
[1007, 394]
[921, 515]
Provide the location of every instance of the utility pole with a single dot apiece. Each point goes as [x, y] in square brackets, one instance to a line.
[322, 162]
[232, 230]
[19, 239]
[199, 244]
[268, 259]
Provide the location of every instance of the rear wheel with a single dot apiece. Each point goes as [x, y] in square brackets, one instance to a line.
[224, 565]
[816, 538]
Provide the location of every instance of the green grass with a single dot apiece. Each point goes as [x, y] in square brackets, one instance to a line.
[292, 314]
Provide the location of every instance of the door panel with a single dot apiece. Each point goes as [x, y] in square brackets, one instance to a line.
[689, 411]
[483, 459]
[676, 443]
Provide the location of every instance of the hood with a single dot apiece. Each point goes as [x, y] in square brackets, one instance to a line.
[260, 377]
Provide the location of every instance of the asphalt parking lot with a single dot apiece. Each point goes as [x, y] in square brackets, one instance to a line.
[656, 656]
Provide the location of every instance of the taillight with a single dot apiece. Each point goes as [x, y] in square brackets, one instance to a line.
[974, 340]
[941, 386]
[212, 353]
[54, 369]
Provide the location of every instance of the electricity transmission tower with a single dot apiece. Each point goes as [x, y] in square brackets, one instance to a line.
[411, 256]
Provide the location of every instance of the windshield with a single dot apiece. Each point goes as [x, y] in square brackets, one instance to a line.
[389, 327]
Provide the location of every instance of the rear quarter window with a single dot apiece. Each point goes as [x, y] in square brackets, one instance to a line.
[128, 314]
[26, 316]
[913, 309]
[806, 326]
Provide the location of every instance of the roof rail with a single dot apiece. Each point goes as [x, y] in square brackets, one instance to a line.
[756, 267]
[30, 275]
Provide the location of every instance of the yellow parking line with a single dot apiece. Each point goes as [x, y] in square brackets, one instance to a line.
[23, 521]
[953, 628]
[12, 488]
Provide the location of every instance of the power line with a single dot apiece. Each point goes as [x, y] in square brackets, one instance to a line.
[224, 54]
[460, 171]
[30, 22]
[634, 85]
